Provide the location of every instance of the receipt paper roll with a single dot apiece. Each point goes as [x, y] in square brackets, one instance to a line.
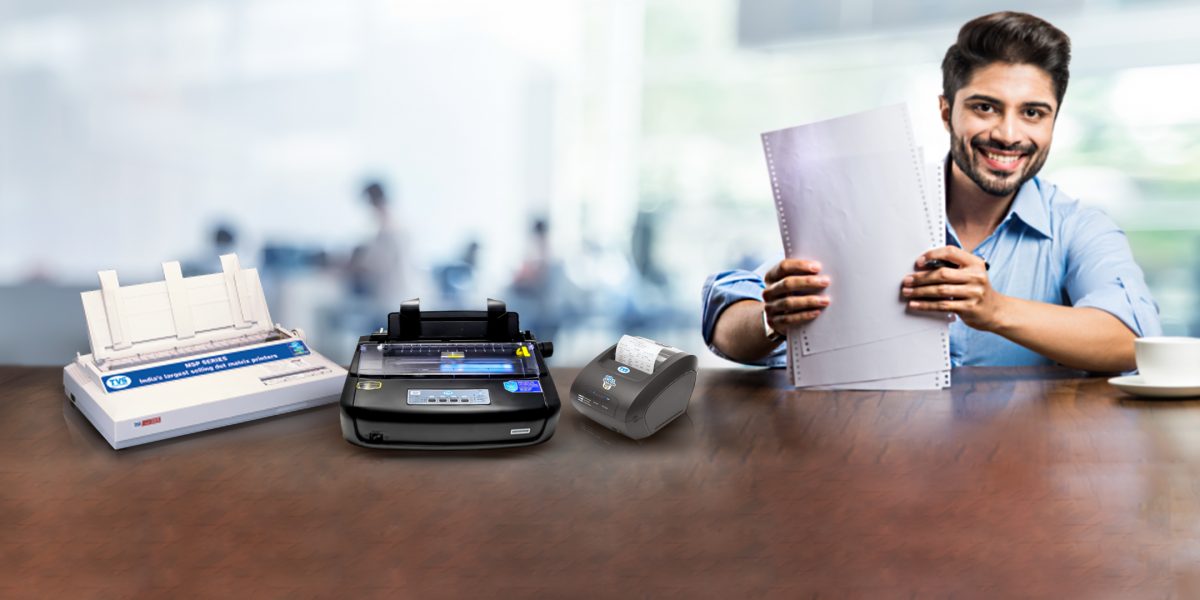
[639, 353]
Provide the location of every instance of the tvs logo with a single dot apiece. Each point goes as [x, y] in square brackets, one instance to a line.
[147, 422]
[118, 382]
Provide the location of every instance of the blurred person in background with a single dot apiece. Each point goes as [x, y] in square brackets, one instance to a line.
[650, 310]
[222, 240]
[376, 269]
[535, 287]
[456, 278]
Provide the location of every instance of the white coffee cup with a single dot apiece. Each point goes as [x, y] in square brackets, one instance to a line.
[1168, 361]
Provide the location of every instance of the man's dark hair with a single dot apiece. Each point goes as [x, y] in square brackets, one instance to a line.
[1007, 37]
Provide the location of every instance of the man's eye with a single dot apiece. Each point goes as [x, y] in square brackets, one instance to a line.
[983, 108]
[1033, 113]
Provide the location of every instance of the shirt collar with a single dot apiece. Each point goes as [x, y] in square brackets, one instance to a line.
[1030, 207]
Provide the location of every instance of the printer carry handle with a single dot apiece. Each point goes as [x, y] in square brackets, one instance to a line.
[407, 322]
[497, 324]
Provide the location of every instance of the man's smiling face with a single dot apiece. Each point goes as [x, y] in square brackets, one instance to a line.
[1001, 125]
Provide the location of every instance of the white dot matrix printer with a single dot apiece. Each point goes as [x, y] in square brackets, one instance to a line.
[189, 354]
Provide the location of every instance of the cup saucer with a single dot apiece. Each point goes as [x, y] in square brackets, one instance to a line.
[1134, 384]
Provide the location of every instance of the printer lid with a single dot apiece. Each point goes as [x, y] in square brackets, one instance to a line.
[450, 359]
[177, 315]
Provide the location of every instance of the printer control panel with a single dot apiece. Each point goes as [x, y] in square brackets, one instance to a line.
[448, 397]
[598, 402]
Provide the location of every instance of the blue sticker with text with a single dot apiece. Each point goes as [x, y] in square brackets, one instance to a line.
[523, 386]
[203, 366]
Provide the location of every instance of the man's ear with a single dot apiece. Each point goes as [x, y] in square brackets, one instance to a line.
[944, 108]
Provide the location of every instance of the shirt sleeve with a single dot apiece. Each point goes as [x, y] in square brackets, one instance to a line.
[722, 290]
[1101, 273]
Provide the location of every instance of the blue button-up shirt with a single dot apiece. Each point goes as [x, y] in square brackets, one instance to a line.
[1048, 248]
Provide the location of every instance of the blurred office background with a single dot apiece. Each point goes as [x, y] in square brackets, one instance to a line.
[589, 161]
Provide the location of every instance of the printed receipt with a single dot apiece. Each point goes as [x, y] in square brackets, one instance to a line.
[639, 353]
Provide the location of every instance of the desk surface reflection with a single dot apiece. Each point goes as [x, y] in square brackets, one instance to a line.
[1014, 482]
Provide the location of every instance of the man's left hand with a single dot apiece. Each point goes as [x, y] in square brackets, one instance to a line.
[964, 291]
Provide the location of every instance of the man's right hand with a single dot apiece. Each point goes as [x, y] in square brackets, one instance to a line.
[793, 293]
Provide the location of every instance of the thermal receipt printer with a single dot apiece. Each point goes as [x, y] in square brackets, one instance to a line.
[635, 387]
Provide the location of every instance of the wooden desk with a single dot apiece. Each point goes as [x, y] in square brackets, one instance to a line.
[1015, 482]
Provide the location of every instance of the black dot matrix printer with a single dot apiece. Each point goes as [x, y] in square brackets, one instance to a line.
[449, 380]
[635, 387]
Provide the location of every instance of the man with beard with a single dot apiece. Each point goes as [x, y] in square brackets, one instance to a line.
[1033, 277]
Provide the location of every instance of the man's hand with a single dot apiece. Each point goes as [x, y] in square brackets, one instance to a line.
[964, 291]
[792, 294]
